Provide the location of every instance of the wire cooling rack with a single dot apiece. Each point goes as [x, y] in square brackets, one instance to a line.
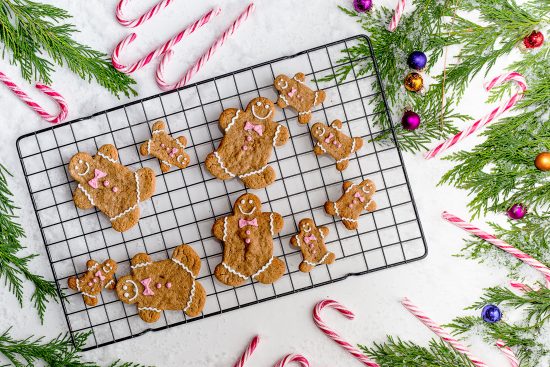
[186, 202]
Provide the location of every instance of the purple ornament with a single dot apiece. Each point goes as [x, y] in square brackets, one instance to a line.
[491, 314]
[517, 211]
[417, 60]
[362, 6]
[410, 120]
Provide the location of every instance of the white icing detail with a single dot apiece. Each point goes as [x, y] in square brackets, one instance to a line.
[322, 131]
[233, 120]
[233, 271]
[306, 228]
[276, 134]
[283, 86]
[107, 268]
[191, 296]
[321, 233]
[299, 81]
[283, 98]
[367, 191]
[304, 113]
[367, 204]
[349, 219]
[80, 161]
[93, 267]
[124, 287]
[349, 188]
[106, 157]
[258, 117]
[158, 131]
[222, 166]
[271, 225]
[318, 262]
[322, 148]
[133, 207]
[109, 282]
[247, 213]
[140, 265]
[333, 125]
[88, 196]
[179, 143]
[224, 229]
[149, 146]
[315, 100]
[126, 295]
[180, 158]
[87, 170]
[254, 172]
[136, 290]
[264, 268]
[298, 241]
[148, 309]
[250, 201]
[184, 267]
[166, 163]
[336, 209]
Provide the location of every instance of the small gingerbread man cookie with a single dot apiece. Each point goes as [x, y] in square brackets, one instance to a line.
[296, 94]
[169, 151]
[106, 184]
[155, 286]
[247, 237]
[355, 199]
[97, 277]
[332, 141]
[246, 147]
[311, 241]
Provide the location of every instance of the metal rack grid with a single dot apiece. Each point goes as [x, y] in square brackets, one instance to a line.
[187, 201]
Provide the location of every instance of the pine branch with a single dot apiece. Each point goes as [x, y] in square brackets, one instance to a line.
[14, 268]
[28, 29]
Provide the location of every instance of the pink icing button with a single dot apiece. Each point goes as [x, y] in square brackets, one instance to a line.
[90, 284]
[106, 183]
[350, 206]
[248, 240]
[96, 280]
[248, 138]
[168, 285]
[159, 285]
[355, 201]
[115, 189]
[162, 145]
[245, 147]
[248, 231]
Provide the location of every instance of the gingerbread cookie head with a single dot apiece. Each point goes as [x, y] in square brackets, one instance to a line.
[261, 108]
[307, 225]
[247, 205]
[83, 168]
[283, 84]
[128, 289]
[97, 277]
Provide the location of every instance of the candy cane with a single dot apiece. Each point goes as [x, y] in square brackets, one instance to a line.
[333, 335]
[203, 59]
[500, 244]
[298, 358]
[64, 110]
[481, 123]
[160, 50]
[397, 14]
[142, 19]
[508, 353]
[248, 352]
[439, 331]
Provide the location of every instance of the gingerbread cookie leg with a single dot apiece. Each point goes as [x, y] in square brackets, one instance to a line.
[228, 276]
[320, 96]
[146, 177]
[81, 200]
[125, 220]
[304, 117]
[216, 166]
[148, 314]
[342, 164]
[272, 271]
[259, 180]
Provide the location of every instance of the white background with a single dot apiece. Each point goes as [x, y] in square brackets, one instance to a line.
[441, 284]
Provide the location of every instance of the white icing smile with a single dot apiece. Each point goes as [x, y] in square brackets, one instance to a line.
[261, 118]
[249, 212]
[306, 228]
[180, 158]
[285, 86]
[365, 190]
[322, 131]
[136, 289]
[87, 168]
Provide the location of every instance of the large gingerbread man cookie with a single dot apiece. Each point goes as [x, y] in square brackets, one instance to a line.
[94, 280]
[355, 199]
[295, 93]
[246, 147]
[163, 285]
[114, 189]
[311, 241]
[169, 151]
[247, 237]
[332, 141]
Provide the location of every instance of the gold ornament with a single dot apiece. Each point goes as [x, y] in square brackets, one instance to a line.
[542, 161]
[414, 82]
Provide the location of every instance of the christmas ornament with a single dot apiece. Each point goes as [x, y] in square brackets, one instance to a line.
[542, 161]
[414, 82]
[362, 6]
[417, 60]
[410, 120]
[517, 211]
[534, 40]
[491, 314]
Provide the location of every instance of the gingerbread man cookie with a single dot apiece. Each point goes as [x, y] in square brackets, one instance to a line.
[296, 94]
[169, 151]
[355, 199]
[114, 189]
[163, 285]
[96, 277]
[311, 241]
[246, 147]
[332, 141]
[247, 237]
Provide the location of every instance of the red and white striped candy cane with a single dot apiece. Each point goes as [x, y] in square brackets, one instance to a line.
[298, 358]
[508, 353]
[248, 352]
[333, 335]
[439, 331]
[64, 110]
[160, 50]
[481, 123]
[397, 14]
[204, 58]
[132, 23]
[500, 244]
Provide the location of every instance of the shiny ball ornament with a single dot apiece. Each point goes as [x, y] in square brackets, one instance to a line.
[362, 6]
[417, 60]
[534, 40]
[491, 314]
[410, 120]
[542, 161]
[517, 211]
[414, 82]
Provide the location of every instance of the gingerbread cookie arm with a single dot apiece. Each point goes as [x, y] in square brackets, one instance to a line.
[92, 265]
[185, 256]
[146, 177]
[347, 185]
[218, 230]
[228, 118]
[294, 240]
[181, 141]
[337, 124]
[144, 148]
[324, 231]
[81, 200]
[281, 101]
[158, 127]
[139, 264]
[108, 152]
[276, 222]
[281, 135]
[300, 77]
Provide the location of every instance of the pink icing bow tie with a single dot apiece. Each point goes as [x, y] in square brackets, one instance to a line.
[330, 136]
[359, 196]
[257, 128]
[147, 291]
[99, 274]
[244, 222]
[310, 238]
[292, 92]
[97, 175]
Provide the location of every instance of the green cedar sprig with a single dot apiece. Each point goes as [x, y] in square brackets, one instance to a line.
[13, 267]
[29, 30]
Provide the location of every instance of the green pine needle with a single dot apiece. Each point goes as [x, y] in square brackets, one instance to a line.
[14, 268]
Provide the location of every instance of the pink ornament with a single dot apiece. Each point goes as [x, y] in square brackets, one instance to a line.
[517, 211]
